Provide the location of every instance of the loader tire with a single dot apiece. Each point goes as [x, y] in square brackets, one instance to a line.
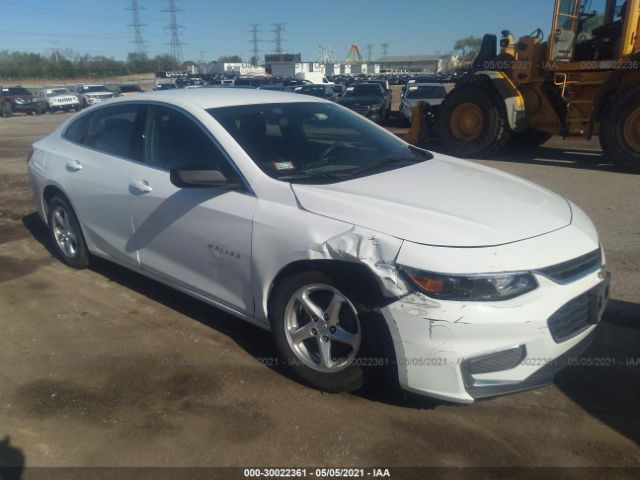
[472, 122]
[620, 130]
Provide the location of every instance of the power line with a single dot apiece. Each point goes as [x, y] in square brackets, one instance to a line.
[174, 28]
[137, 28]
[369, 48]
[385, 48]
[255, 42]
[278, 28]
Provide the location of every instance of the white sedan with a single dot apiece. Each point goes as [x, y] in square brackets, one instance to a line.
[356, 250]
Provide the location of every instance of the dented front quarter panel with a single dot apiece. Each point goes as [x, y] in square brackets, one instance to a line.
[284, 233]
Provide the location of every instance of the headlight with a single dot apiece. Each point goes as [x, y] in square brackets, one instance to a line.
[475, 288]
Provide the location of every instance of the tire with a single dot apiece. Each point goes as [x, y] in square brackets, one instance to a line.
[471, 121]
[620, 130]
[354, 322]
[529, 139]
[66, 234]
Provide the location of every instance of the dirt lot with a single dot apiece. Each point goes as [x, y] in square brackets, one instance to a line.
[103, 367]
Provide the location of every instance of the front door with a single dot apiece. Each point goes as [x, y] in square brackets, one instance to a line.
[197, 238]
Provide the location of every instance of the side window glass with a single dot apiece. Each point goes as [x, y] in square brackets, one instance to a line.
[76, 132]
[175, 141]
[110, 130]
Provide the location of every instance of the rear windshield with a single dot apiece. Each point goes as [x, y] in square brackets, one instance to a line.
[424, 91]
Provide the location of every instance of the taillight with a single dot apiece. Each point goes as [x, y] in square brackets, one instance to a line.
[30, 155]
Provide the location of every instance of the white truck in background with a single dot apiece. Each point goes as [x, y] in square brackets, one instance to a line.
[314, 77]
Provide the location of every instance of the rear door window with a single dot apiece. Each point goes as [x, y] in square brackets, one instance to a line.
[109, 130]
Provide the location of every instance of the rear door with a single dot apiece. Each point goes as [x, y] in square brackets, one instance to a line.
[197, 238]
[96, 160]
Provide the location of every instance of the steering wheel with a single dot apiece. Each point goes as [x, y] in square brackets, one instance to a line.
[327, 152]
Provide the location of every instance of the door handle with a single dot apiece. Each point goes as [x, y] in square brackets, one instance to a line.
[141, 186]
[73, 165]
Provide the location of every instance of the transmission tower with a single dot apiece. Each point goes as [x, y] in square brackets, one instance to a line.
[255, 42]
[385, 48]
[326, 54]
[278, 28]
[369, 52]
[137, 27]
[174, 29]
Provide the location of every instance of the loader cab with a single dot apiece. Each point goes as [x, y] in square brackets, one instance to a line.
[587, 31]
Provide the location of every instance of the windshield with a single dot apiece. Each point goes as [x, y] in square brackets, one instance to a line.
[425, 91]
[314, 142]
[363, 90]
[58, 91]
[95, 88]
[16, 91]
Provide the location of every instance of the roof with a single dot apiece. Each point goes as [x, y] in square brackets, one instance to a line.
[408, 58]
[215, 97]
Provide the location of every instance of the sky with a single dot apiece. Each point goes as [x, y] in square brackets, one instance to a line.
[212, 28]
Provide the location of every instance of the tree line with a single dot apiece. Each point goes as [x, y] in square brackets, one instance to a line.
[65, 64]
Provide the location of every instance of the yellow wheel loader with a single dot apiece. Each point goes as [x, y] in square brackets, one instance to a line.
[584, 80]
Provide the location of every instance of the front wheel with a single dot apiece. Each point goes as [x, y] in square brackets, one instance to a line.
[318, 331]
[472, 123]
[620, 130]
[66, 234]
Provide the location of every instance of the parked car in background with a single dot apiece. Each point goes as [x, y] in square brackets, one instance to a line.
[339, 89]
[367, 99]
[320, 91]
[353, 248]
[431, 93]
[384, 85]
[18, 99]
[276, 88]
[165, 86]
[92, 94]
[127, 89]
[56, 99]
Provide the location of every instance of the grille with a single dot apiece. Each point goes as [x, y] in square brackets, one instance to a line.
[573, 268]
[573, 317]
[361, 109]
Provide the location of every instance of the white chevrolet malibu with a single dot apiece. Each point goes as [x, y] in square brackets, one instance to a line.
[355, 249]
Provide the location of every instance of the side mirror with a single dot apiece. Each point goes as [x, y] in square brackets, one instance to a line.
[200, 178]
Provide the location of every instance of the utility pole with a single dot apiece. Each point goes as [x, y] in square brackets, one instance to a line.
[278, 28]
[174, 28]
[55, 49]
[369, 48]
[137, 27]
[255, 42]
[385, 48]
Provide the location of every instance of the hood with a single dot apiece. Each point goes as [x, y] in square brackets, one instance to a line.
[361, 100]
[444, 202]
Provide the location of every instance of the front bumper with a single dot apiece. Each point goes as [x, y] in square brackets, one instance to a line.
[436, 340]
[64, 106]
[25, 107]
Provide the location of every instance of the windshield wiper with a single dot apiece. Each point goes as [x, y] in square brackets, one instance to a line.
[311, 175]
[388, 160]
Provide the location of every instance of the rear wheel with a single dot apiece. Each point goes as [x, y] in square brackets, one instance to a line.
[321, 332]
[472, 123]
[66, 234]
[620, 130]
